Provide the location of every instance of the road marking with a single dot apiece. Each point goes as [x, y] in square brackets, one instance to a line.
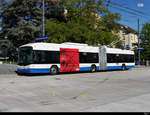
[83, 96]
[53, 94]
[70, 105]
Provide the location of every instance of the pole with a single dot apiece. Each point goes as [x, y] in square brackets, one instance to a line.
[43, 19]
[139, 58]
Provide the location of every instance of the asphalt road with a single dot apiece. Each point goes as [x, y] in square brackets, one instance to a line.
[112, 91]
[8, 69]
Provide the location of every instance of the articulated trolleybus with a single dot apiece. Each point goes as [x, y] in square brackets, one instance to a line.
[71, 57]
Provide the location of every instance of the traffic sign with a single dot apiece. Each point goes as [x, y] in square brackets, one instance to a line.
[127, 46]
[41, 38]
[139, 48]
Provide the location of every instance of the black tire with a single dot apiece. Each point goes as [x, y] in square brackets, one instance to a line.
[54, 70]
[123, 67]
[93, 68]
[19, 73]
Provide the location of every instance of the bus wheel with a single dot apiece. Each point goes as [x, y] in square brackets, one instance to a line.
[123, 67]
[93, 68]
[54, 70]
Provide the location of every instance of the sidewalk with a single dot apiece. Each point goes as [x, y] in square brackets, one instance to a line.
[141, 66]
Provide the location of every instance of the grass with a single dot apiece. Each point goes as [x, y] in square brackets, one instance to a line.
[9, 62]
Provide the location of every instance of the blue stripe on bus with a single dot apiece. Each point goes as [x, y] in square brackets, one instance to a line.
[119, 67]
[47, 70]
[88, 68]
[39, 70]
[97, 68]
[85, 68]
[113, 67]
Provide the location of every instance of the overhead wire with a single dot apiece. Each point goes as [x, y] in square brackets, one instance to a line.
[128, 10]
[131, 9]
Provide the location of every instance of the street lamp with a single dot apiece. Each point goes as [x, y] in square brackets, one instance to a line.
[140, 4]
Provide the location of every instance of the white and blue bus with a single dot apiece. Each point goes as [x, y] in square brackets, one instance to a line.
[71, 57]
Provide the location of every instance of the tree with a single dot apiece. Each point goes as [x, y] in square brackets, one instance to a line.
[22, 20]
[87, 21]
[145, 39]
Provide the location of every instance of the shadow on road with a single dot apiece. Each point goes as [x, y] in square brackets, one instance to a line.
[63, 73]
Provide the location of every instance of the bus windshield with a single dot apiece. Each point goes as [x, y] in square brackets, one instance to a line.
[25, 56]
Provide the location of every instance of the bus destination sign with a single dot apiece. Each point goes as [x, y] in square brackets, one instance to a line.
[41, 38]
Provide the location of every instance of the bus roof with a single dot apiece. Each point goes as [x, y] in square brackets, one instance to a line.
[56, 47]
[118, 51]
[81, 47]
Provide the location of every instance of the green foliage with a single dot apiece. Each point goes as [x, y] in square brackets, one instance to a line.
[1, 36]
[10, 62]
[22, 20]
[119, 44]
[74, 32]
[86, 22]
[145, 37]
[18, 22]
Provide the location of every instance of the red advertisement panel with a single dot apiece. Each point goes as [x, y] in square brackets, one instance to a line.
[69, 60]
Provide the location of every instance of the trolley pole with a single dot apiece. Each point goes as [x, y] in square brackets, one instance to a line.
[139, 57]
[43, 18]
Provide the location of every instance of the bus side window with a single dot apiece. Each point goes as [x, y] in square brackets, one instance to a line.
[35, 56]
[42, 57]
[117, 58]
[111, 58]
[52, 57]
[83, 57]
[92, 57]
[39, 57]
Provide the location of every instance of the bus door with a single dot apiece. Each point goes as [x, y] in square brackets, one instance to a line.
[102, 58]
[69, 60]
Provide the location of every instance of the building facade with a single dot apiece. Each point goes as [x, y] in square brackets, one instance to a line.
[128, 37]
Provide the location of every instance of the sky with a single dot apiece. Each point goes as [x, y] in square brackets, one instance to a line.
[130, 12]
